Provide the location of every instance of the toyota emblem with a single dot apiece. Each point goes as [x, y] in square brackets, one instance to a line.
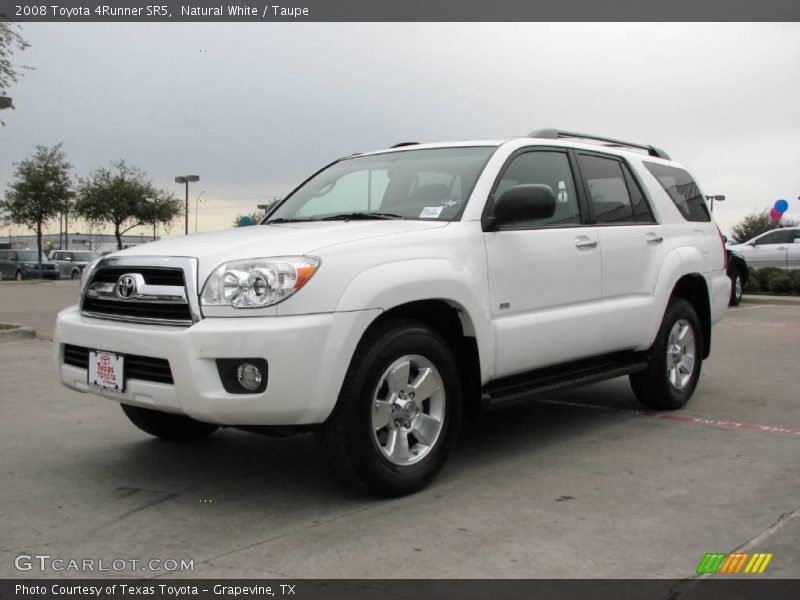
[126, 287]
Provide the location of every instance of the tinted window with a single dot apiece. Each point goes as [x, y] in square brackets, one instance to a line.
[548, 168]
[641, 210]
[783, 236]
[682, 189]
[28, 255]
[607, 189]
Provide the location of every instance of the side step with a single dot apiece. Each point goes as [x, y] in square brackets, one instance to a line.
[518, 387]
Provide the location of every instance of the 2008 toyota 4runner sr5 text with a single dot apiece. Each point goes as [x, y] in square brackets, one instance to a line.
[394, 291]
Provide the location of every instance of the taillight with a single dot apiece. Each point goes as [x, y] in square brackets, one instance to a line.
[724, 250]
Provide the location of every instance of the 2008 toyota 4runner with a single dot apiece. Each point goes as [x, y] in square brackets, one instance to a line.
[393, 291]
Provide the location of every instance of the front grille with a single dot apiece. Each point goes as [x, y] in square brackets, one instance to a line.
[152, 275]
[135, 367]
[100, 300]
[138, 310]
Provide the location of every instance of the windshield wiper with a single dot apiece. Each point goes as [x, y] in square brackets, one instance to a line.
[354, 216]
[278, 221]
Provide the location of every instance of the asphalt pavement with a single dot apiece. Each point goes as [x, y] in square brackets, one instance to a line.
[581, 483]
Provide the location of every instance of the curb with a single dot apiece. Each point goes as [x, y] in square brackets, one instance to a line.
[763, 299]
[11, 332]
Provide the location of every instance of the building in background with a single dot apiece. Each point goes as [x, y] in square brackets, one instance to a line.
[99, 242]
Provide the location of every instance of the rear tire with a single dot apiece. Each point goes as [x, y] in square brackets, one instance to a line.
[676, 358]
[75, 274]
[167, 426]
[736, 288]
[398, 412]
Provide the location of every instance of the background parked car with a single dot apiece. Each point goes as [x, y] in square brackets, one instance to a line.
[777, 248]
[24, 264]
[738, 274]
[72, 262]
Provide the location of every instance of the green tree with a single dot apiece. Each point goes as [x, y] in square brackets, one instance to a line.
[121, 196]
[755, 224]
[162, 210]
[38, 192]
[10, 41]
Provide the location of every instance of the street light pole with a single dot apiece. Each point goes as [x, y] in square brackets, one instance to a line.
[718, 198]
[70, 194]
[196, 200]
[186, 179]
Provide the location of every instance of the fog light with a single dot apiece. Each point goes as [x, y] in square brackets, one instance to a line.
[243, 375]
[248, 376]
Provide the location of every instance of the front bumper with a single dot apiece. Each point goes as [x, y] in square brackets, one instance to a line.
[46, 274]
[308, 357]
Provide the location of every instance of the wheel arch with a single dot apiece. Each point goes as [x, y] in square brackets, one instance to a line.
[693, 288]
[456, 326]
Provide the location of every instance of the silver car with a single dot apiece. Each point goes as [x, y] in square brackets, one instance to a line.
[72, 262]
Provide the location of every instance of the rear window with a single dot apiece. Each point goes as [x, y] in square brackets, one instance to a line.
[682, 189]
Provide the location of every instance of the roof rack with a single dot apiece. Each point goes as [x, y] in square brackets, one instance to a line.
[401, 144]
[554, 134]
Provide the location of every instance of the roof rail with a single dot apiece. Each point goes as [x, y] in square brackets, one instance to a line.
[554, 134]
[401, 144]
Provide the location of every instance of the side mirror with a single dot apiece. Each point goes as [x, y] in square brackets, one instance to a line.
[526, 201]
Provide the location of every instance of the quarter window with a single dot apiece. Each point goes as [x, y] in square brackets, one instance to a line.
[547, 168]
[682, 189]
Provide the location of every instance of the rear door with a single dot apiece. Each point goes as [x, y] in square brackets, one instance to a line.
[544, 274]
[633, 247]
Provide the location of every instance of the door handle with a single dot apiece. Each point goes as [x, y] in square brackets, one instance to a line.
[652, 238]
[782, 248]
[585, 243]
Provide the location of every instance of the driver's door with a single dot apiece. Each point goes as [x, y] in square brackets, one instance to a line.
[544, 275]
[771, 249]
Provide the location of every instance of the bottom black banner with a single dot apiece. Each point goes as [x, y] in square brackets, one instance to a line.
[394, 589]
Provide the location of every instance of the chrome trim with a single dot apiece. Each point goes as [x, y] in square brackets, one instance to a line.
[157, 294]
[173, 294]
[144, 320]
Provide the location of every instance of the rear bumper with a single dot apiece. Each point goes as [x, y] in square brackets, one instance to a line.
[719, 284]
[307, 355]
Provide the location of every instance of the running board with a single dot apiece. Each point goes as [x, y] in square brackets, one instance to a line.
[518, 387]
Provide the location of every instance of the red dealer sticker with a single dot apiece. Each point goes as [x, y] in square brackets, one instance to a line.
[105, 370]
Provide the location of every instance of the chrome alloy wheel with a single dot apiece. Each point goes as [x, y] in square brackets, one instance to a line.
[408, 410]
[681, 349]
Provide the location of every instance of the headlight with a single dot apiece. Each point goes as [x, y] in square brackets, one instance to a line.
[257, 282]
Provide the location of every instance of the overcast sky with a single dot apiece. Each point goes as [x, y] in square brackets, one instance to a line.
[255, 108]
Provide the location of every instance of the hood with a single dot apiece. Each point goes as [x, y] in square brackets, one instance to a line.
[257, 241]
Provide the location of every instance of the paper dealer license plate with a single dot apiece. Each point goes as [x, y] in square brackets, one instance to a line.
[106, 370]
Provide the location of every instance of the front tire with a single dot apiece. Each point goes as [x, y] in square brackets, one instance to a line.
[167, 426]
[18, 276]
[75, 274]
[398, 413]
[676, 358]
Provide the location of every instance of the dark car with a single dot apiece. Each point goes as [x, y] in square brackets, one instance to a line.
[738, 274]
[24, 264]
[72, 262]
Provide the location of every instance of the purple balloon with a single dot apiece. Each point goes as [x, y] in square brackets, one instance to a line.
[781, 206]
[775, 215]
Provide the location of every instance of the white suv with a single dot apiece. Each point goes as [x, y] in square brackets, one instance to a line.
[395, 290]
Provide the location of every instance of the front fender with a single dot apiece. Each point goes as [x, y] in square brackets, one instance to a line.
[390, 285]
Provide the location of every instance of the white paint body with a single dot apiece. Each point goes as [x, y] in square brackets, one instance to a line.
[564, 302]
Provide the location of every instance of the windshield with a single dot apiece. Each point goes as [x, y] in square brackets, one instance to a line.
[29, 255]
[411, 184]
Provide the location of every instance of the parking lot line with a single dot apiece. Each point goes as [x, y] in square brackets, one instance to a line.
[678, 418]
